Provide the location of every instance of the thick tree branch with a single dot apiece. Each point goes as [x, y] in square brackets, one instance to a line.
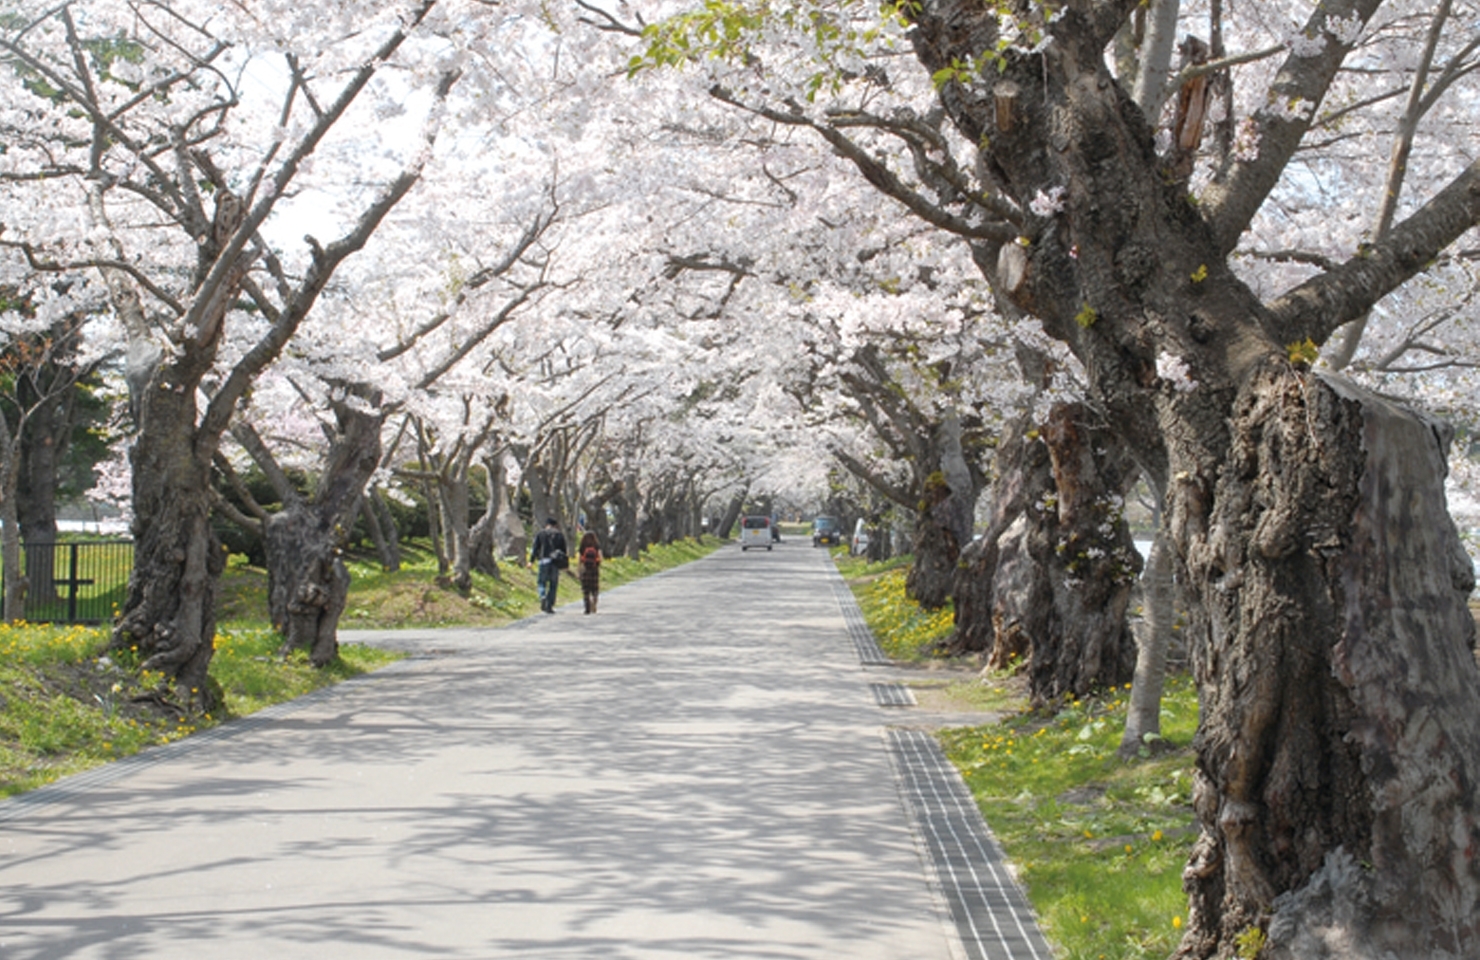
[479, 279]
[1317, 307]
[875, 172]
[1239, 190]
[889, 490]
[256, 448]
[325, 262]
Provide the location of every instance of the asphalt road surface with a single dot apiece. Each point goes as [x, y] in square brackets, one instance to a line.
[698, 771]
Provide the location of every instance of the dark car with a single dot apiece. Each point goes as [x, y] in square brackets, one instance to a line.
[826, 532]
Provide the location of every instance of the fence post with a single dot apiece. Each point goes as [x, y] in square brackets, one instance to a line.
[74, 584]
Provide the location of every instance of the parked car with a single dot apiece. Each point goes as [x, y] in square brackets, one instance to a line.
[826, 532]
[859, 544]
[755, 532]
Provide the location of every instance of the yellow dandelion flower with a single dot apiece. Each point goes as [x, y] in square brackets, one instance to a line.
[1177, 923]
[1156, 837]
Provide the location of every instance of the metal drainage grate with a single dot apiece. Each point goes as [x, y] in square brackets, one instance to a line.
[991, 913]
[863, 638]
[892, 695]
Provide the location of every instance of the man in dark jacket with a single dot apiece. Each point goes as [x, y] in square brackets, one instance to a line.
[548, 550]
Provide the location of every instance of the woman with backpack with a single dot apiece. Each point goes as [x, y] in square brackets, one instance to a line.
[590, 560]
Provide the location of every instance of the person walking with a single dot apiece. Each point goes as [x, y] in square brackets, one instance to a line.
[590, 560]
[548, 550]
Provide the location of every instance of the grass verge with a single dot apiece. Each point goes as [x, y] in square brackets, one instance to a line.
[1099, 844]
[417, 594]
[903, 630]
[66, 705]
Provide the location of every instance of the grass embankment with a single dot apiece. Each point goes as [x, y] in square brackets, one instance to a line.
[1098, 843]
[416, 595]
[67, 705]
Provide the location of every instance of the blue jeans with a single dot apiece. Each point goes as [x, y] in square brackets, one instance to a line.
[547, 582]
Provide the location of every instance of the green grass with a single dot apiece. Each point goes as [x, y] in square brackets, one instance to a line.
[1098, 843]
[903, 630]
[66, 705]
[414, 597]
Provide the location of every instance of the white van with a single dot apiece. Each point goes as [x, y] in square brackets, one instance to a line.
[755, 532]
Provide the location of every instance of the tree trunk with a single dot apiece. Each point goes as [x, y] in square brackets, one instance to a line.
[542, 503]
[1094, 563]
[483, 535]
[392, 558]
[1153, 640]
[624, 527]
[732, 513]
[1341, 740]
[169, 615]
[434, 525]
[1049, 582]
[13, 605]
[944, 520]
[1023, 478]
[388, 560]
[43, 442]
[508, 529]
[936, 548]
[307, 583]
[455, 499]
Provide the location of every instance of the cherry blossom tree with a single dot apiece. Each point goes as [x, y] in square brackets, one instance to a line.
[135, 115]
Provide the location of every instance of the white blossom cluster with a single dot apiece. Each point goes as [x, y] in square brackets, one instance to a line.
[1175, 371]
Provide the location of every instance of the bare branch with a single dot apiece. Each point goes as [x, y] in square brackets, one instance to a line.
[875, 172]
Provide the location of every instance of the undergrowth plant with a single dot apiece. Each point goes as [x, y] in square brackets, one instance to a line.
[1100, 844]
[903, 630]
[67, 704]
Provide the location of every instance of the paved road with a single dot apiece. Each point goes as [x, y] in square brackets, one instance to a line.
[699, 771]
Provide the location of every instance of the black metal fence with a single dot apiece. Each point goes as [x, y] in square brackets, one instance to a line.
[81, 581]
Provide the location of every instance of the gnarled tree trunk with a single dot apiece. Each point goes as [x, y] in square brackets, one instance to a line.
[1023, 477]
[1049, 582]
[308, 585]
[1341, 741]
[1094, 563]
[169, 614]
[944, 518]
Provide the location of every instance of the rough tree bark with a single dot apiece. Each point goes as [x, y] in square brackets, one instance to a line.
[1338, 680]
[1022, 477]
[307, 583]
[484, 534]
[1049, 582]
[509, 535]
